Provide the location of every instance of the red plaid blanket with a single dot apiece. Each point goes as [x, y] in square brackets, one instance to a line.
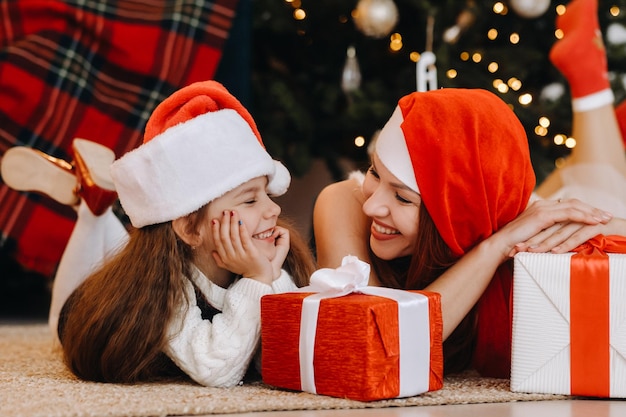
[96, 70]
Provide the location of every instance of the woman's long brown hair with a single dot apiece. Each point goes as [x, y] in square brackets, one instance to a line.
[431, 258]
[113, 324]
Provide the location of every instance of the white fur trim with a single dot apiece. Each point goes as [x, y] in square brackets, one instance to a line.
[593, 101]
[191, 164]
[392, 150]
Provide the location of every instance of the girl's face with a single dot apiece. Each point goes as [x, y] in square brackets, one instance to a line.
[394, 210]
[256, 210]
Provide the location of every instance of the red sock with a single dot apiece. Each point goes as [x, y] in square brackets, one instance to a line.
[580, 55]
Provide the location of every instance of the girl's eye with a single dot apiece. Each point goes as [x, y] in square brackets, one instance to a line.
[250, 202]
[372, 171]
[403, 200]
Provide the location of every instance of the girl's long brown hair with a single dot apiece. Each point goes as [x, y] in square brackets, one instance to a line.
[431, 258]
[113, 325]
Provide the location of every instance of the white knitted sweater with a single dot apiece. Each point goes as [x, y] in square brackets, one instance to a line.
[217, 352]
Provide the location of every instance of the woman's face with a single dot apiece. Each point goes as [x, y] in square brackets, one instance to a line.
[255, 209]
[394, 210]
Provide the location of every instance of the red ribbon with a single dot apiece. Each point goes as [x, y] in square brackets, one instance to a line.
[590, 317]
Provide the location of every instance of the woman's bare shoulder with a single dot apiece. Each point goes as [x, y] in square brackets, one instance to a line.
[347, 191]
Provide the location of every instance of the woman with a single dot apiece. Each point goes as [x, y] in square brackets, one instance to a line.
[449, 200]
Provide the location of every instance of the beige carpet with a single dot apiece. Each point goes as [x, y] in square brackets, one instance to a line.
[34, 382]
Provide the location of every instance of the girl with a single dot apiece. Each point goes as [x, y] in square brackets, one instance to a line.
[448, 201]
[182, 292]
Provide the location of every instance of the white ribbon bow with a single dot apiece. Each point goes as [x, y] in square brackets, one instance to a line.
[413, 322]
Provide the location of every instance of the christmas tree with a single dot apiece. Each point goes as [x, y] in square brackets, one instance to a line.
[301, 50]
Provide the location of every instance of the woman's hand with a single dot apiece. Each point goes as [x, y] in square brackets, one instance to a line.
[557, 226]
[235, 251]
[562, 238]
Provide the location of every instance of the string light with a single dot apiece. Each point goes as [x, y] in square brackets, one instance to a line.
[514, 83]
[559, 139]
[541, 131]
[525, 99]
[299, 14]
[500, 8]
[395, 43]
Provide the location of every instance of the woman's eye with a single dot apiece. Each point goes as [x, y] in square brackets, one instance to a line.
[372, 171]
[402, 200]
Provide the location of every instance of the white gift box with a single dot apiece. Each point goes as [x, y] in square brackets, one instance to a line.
[541, 344]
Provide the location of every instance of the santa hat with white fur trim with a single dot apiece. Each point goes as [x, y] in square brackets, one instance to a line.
[199, 143]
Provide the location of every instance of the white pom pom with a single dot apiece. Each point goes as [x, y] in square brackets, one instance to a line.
[279, 181]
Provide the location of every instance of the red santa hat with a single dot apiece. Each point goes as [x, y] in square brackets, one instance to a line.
[466, 153]
[199, 143]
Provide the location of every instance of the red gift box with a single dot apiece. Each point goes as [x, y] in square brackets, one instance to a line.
[358, 350]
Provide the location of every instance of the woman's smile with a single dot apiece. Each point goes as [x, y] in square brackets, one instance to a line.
[382, 231]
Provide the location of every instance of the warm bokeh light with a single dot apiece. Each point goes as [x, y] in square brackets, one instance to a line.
[541, 131]
[559, 139]
[525, 99]
[492, 34]
[615, 11]
[558, 34]
[359, 141]
[414, 56]
[514, 38]
[477, 57]
[395, 44]
[464, 56]
[493, 67]
[499, 8]
[570, 142]
[299, 14]
[451, 73]
[514, 83]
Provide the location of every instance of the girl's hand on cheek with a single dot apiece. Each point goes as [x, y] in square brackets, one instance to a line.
[282, 243]
[235, 251]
